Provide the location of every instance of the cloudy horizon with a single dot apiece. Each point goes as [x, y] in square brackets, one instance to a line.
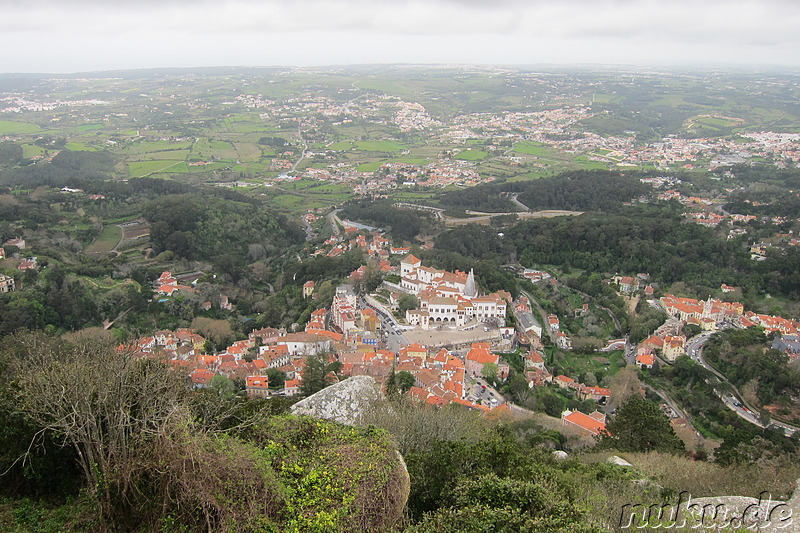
[61, 36]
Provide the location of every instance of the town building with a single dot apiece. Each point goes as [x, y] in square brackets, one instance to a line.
[6, 283]
[585, 425]
[447, 298]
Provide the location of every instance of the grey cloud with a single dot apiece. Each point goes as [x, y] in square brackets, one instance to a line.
[581, 29]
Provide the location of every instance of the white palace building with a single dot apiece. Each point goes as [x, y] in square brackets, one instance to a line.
[447, 298]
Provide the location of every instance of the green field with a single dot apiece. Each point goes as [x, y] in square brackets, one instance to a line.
[146, 147]
[205, 149]
[583, 162]
[534, 148]
[715, 122]
[90, 127]
[340, 146]
[106, 241]
[243, 123]
[10, 127]
[471, 155]
[379, 146]
[139, 169]
[107, 283]
[31, 150]
[289, 201]
[369, 167]
[167, 155]
[79, 147]
[248, 152]
[411, 160]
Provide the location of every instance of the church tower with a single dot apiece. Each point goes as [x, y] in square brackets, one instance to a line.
[471, 288]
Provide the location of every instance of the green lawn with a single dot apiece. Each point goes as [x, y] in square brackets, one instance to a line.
[574, 365]
[288, 201]
[107, 283]
[247, 168]
[9, 127]
[205, 149]
[600, 98]
[411, 160]
[248, 152]
[585, 163]
[715, 122]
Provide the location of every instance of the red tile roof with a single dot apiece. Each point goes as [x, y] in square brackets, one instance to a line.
[586, 422]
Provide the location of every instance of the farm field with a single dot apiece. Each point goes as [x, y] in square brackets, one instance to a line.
[106, 241]
[379, 146]
[140, 169]
[471, 155]
[9, 127]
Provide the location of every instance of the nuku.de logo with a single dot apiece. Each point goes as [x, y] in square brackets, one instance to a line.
[707, 514]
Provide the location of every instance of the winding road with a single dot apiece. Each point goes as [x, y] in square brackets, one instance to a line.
[733, 400]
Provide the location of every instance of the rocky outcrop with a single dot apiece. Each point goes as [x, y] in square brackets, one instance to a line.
[619, 461]
[739, 512]
[719, 513]
[345, 402]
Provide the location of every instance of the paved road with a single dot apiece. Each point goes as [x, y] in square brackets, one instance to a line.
[334, 221]
[394, 337]
[514, 198]
[669, 401]
[542, 316]
[733, 399]
[302, 152]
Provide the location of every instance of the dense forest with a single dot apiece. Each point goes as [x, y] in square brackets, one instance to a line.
[580, 190]
[583, 191]
[226, 232]
[744, 357]
[651, 239]
[402, 224]
[73, 169]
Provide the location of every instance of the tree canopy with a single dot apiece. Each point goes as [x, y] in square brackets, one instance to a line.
[640, 426]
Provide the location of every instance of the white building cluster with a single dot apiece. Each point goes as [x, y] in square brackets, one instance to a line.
[447, 298]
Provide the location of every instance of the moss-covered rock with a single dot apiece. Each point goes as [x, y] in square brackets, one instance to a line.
[337, 478]
[344, 402]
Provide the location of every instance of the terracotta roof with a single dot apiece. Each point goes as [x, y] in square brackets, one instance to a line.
[257, 382]
[535, 357]
[482, 355]
[645, 359]
[592, 425]
[201, 376]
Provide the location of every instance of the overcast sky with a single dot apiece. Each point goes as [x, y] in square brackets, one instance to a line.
[87, 35]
